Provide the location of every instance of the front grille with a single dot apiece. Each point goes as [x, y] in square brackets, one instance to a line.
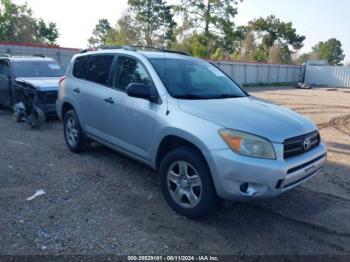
[48, 98]
[299, 145]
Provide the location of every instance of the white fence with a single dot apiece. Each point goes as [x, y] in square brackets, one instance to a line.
[62, 55]
[255, 73]
[242, 73]
[328, 75]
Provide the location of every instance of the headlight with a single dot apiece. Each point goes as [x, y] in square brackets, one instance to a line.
[247, 144]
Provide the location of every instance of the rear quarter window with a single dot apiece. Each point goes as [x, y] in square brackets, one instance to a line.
[99, 69]
[80, 67]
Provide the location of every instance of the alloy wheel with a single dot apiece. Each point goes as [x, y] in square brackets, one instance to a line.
[184, 184]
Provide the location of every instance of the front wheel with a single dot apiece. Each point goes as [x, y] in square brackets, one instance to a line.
[73, 133]
[187, 184]
[36, 118]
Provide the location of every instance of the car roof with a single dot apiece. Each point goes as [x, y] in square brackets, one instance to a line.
[27, 59]
[139, 53]
[166, 55]
[31, 58]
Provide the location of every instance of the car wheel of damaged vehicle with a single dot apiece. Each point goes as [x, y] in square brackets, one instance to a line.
[73, 133]
[187, 184]
[36, 118]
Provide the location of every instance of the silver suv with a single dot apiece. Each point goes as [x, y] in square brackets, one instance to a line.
[182, 116]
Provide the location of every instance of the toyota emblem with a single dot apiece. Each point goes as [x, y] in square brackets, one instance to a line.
[307, 143]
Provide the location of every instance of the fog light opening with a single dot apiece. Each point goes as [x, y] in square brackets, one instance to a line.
[244, 188]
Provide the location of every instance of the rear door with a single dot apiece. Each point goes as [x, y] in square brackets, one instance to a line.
[4, 82]
[92, 93]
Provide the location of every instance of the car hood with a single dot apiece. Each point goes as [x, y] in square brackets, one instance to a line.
[42, 84]
[251, 115]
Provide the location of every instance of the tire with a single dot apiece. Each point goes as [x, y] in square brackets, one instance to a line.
[37, 118]
[73, 133]
[192, 195]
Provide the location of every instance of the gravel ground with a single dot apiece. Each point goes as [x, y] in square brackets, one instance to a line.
[101, 202]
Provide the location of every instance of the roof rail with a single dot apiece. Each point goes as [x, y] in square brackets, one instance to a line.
[134, 48]
[125, 47]
[145, 48]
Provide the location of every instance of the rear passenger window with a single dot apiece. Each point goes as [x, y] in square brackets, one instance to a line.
[80, 67]
[99, 68]
[129, 70]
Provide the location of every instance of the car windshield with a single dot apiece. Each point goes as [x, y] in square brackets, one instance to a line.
[37, 69]
[187, 78]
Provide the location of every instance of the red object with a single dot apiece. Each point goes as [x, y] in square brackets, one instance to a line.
[61, 79]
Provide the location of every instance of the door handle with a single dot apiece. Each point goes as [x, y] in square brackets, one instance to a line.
[109, 100]
[76, 90]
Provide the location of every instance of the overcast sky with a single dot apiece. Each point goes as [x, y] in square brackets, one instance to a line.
[318, 20]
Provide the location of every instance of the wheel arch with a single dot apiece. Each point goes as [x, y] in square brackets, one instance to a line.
[170, 142]
[66, 106]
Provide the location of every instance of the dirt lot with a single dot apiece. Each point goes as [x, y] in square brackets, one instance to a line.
[103, 203]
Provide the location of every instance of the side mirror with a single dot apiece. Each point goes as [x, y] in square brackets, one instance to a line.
[142, 91]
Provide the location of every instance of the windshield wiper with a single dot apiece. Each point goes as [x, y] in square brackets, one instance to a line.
[198, 97]
[190, 96]
[228, 96]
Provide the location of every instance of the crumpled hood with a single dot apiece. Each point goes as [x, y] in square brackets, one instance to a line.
[42, 84]
[251, 115]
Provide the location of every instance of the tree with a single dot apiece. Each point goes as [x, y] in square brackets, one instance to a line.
[153, 20]
[48, 32]
[330, 50]
[124, 33]
[100, 33]
[249, 47]
[17, 24]
[211, 15]
[214, 18]
[272, 31]
[303, 58]
[199, 46]
[275, 55]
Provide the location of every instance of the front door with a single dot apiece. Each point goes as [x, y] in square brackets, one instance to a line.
[4, 83]
[131, 120]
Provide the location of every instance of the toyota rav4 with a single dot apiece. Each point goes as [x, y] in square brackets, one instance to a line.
[182, 116]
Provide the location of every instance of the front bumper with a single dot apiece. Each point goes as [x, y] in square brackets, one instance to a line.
[242, 178]
[47, 102]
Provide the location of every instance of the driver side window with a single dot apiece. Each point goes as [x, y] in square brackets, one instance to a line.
[129, 71]
[4, 69]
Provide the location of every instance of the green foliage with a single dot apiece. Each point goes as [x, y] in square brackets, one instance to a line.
[260, 55]
[100, 34]
[207, 30]
[17, 24]
[153, 20]
[218, 55]
[198, 45]
[48, 32]
[303, 58]
[330, 50]
[272, 31]
[214, 18]
[124, 33]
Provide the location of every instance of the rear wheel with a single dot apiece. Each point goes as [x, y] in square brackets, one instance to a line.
[187, 184]
[73, 133]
